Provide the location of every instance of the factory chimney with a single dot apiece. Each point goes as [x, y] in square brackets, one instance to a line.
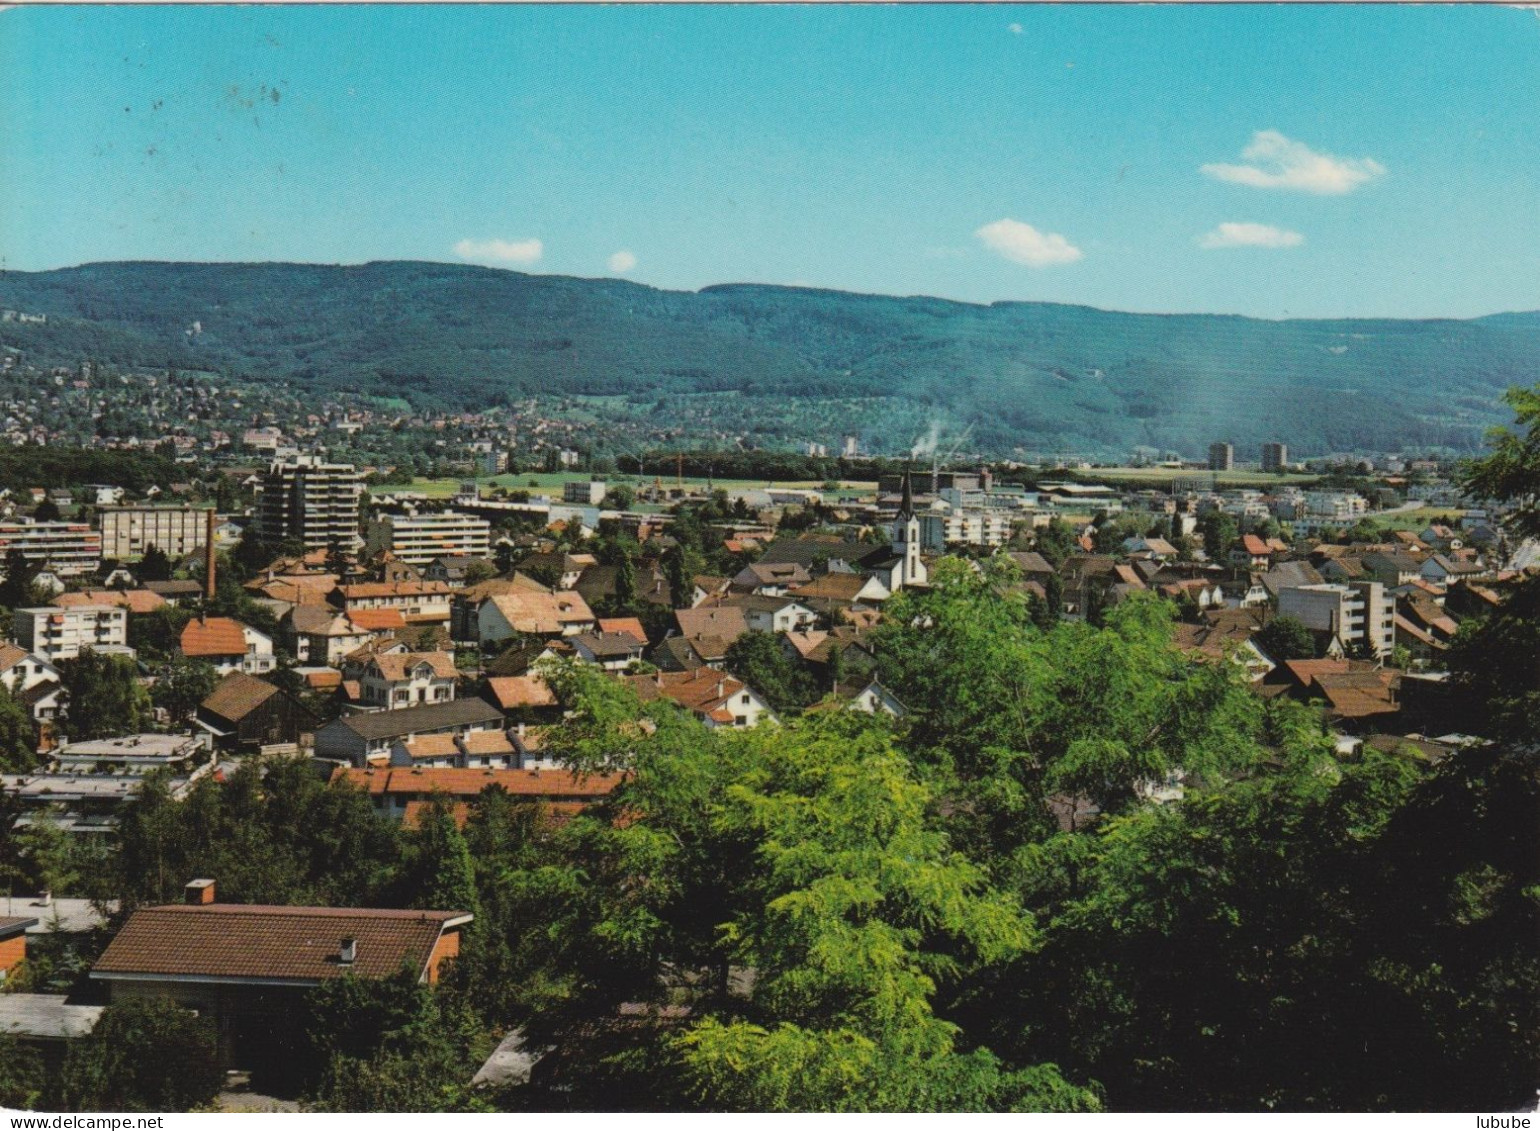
[208, 556]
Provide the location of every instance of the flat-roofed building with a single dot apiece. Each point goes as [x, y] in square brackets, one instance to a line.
[420, 538]
[127, 532]
[68, 549]
[61, 634]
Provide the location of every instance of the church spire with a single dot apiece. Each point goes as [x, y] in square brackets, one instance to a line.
[906, 507]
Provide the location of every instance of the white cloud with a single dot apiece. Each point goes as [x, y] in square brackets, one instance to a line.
[500, 251]
[1024, 244]
[621, 262]
[1279, 162]
[1017, 29]
[1244, 234]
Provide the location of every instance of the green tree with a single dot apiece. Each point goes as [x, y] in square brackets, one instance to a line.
[104, 697]
[47, 511]
[181, 685]
[143, 1055]
[1219, 532]
[155, 565]
[625, 580]
[440, 875]
[18, 737]
[24, 1080]
[389, 1044]
[758, 659]
[1286, 638]
[17, 591]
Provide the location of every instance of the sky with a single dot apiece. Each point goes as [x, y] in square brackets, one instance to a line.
[1274, 161]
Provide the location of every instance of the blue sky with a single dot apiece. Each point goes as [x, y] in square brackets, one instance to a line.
[1274, 161]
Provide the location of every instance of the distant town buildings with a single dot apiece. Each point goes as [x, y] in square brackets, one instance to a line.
[1221, 457]
[1275, 457]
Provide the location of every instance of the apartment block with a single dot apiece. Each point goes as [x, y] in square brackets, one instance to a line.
[310, 500]
[1221, 457]
[1275, 457]
[1356, 613]
[127, 532]
[419, 538]
[62, 634]
[70, 549]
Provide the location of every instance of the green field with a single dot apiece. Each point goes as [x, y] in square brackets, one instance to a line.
[1419, 519]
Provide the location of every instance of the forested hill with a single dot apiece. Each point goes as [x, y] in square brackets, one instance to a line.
[1038, 375]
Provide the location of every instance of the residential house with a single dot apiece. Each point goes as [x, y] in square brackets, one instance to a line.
[1445, 569]
[770, 579]
[320, 634]
[524, 698]
[1393, 569]
[418, 602]
[390, 680]
[228, 644]
[366, 739]
[137, 601]
[521, 612]
[63, 633]
[394, 791]
[612, 651]
[247, 967]
[773, 614]
[563, 569]
[716, 698]
[711, 629]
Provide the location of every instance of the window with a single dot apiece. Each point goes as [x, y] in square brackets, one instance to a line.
[740, 720]
[744, 700]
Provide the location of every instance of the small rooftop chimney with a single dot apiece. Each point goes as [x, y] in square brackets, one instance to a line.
[347, 951]
[199, 892]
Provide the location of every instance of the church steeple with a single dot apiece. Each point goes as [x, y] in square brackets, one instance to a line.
[906, 538]
[906, 507]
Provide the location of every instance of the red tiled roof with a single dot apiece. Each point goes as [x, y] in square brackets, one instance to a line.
[428, 780]
[628, 626]
[134, 600]
[378, 620]
[290, 944]
[512, 691]
[213, 636]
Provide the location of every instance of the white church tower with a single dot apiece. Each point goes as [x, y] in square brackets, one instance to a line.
[906, 540]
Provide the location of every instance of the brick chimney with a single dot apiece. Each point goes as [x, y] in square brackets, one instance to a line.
[208, 556]
[199, 892]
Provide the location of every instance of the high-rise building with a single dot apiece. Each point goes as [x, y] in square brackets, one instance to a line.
[419, 538]
[1359, 613]
[1275, 457]
[1221, 457]
[310, 500]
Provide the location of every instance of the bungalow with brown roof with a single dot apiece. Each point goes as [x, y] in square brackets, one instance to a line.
[247, 713]
[246, 966]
